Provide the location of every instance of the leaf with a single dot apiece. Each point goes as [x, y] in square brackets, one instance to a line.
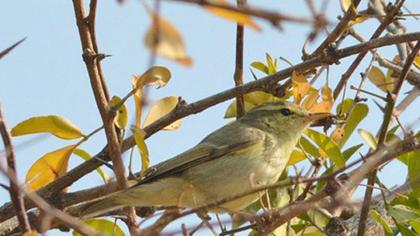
[308, 147]
[417, 61]
[53, 124]
[402, 214]
[327, 145]
[387, 229]
[260, 66]
[377, 77]
[405, 231]
[164, 39]
[156, 75]
[139, 135]
[106, 227]
[30, 233]
[231, 111]
[295, 157]
[259, 97]
[137, 100]
[416, 225]
[160, 109]
[86, 156]
[337, 134]
[413, 172]
[240, 18]
[311, 98]
[121, 116]
[351, 150]
[369, 138]
[327, 101]
[345, 106]
[48, 168]
[358, 113]
[300, 86]
[272, 64]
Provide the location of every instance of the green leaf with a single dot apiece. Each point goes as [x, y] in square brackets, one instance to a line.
[387, 229]
[260, 66]
[86, 156]
[369, 138]
[308, 147]
[405, 231]
[413, 171]
[358, 113]
[56, 125]
[106, 227]
[416, 225]
[402, 214]
[345, 106]
[351, 150]
[328, 146]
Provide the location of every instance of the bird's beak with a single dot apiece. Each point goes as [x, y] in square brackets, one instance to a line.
[317, 116]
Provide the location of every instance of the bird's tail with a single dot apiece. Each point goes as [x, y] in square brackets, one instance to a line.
[96, 207]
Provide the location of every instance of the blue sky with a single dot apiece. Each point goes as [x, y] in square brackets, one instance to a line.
[46, 74]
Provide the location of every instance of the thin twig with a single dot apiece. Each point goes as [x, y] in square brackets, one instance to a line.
[9, 49]
[15, 194]
[239, 64]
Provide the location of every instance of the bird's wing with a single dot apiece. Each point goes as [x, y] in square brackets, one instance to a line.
[218, 144]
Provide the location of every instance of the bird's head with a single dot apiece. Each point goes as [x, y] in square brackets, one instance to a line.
[281, 116]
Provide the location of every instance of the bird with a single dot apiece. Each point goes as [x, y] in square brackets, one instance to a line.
[247, 153]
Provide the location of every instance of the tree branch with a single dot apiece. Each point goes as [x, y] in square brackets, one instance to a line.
[184, 110]
[389, 109]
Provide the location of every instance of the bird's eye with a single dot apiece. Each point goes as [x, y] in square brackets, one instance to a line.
[285, 112]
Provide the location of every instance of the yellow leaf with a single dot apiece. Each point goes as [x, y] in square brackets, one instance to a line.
[56, 125]
[259, 97]
[345, 4]
[121, 116]
[231, 111]
[240, 18]
[160, 109]
[104, 226]
[417, 61]
[48, 168]
[156, 75]
[30, 233]
[377, 77]
[139, 135]
[327, 101]
[337, 134]
[310, 99]
[357, 20]
[137, 100]
[164, 39]
[295, 157]
[300, 86]
[86, 156]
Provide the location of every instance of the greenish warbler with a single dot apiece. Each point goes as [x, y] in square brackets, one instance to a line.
[247, 153]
